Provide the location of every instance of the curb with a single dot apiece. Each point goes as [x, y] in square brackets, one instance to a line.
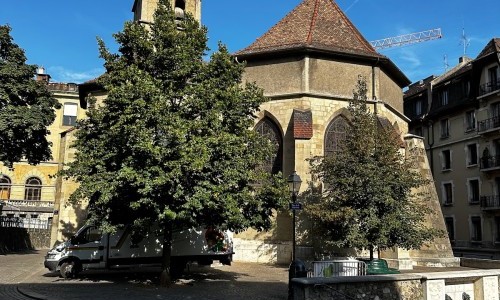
[31, 294]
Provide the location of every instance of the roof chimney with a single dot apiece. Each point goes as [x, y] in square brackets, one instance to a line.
[462, 59]
[41, 76]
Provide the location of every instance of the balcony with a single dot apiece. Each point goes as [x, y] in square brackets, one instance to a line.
[490, 202]
[488, 125]
[489, 87]
[29, 206]
[490, 163]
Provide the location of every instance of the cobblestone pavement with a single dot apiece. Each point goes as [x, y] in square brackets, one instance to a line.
[23, 277]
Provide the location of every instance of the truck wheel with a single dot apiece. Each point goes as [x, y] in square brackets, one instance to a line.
[177, 268]
[69, 269]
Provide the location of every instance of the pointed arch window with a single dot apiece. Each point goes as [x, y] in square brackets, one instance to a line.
[335, 135]
[33, 189]
[268, 128]
[5, 185]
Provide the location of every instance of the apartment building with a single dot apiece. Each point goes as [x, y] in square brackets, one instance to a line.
[458, 114]
[27, 192]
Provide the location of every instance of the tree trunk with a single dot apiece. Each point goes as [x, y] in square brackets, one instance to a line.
[165, 277]
[371, 252]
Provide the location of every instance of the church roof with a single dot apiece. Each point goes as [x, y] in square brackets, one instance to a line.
[318, 24]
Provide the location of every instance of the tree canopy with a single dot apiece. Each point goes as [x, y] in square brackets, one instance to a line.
[26, 106]
[369, 198]
[173, 142]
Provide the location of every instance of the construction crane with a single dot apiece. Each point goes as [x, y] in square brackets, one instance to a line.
[407, 39]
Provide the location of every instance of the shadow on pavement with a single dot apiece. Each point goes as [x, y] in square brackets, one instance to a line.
[243, 281]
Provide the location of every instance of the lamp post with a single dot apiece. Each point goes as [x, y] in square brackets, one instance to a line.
[294, 182]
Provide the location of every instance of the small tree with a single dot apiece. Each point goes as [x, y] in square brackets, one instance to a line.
[26, 107]
[368, 201]
[172, 143]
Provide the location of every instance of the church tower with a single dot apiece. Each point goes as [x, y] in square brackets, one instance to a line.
[144, 9]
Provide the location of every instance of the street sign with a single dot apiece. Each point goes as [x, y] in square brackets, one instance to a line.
[295, 206]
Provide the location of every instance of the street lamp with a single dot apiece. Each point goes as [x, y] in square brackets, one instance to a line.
[294, 182]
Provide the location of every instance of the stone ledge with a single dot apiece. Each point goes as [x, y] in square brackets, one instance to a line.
[356, 279]
[458, 274]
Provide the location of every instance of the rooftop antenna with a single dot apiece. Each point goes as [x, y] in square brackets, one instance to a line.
[464, 41]
[446, 65]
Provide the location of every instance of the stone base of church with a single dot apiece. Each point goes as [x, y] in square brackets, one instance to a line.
[262, 251]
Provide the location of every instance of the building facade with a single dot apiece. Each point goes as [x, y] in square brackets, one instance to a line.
[457, 113]
[27, 192]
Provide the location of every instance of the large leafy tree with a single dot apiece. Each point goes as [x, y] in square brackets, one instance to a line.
[369, 199]
[172, 143]
[26, 106]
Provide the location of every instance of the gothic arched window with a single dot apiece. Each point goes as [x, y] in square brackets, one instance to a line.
[268, 128]
[335, 134]
[33, 189]
[5, 185]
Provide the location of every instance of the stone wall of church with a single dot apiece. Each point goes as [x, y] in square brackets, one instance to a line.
[278, 76]
[337, 78]
[390, 92]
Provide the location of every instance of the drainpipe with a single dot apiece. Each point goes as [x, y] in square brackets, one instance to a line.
[374, 97]
[430, 138]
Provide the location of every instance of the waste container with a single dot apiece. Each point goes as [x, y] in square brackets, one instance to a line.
[297, 269]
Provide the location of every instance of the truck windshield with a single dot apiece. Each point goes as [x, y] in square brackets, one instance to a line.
[89, 235]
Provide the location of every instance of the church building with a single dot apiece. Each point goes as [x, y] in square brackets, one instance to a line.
[308, 65]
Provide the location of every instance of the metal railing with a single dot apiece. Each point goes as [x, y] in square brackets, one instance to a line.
[490, 162]
[489, 87]
[29, 203]
[18, 222]
[490, 202]
[488, 124]
[338, 268]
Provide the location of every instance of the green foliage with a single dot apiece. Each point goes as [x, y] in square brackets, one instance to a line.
[26, 107]
[172, 142]
[369, 198]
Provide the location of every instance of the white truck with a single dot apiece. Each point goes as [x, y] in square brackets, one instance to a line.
[90, 249]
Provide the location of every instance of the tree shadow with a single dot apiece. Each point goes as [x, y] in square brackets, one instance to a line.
[224, 282]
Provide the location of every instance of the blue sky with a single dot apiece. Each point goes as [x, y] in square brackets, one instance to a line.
[61, 34]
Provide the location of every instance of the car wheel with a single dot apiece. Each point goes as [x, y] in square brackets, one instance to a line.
[68, 270]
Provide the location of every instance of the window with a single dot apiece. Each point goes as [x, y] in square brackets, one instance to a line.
[444, 97]
[470, 120]
[497, 229]
[471, 154]
[5, 185]
[450, 227]
[445, 128]
[90, 235]
[447, 194]
[418, 107]
[476, 232]
[493, 76]
[33, 189]
[268, 129]
[70, 110]
[335, 135]
[446, 159]
[473, 185]
[466, 88]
